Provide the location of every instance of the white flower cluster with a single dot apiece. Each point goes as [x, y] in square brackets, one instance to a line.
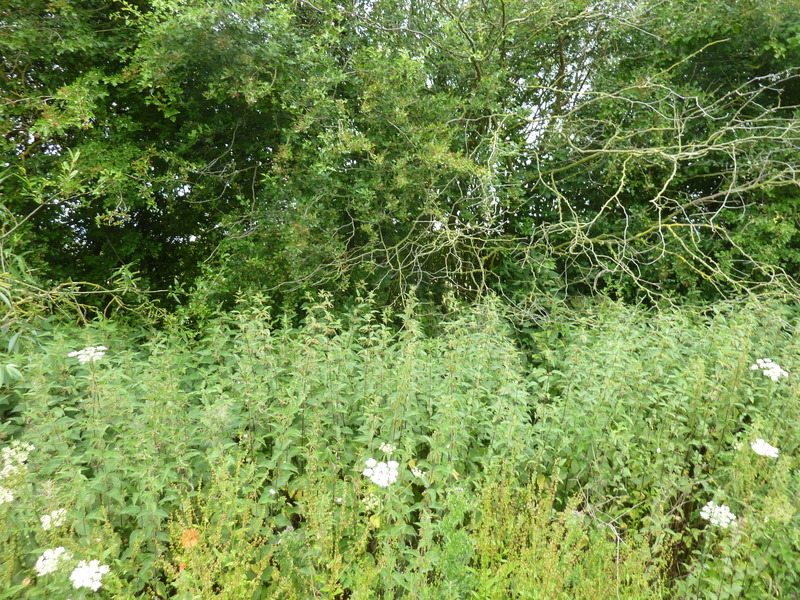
[14, 457]
[382, 474]
[769, 368]
[88, 575]
[719, 515]
[371, 502]
[49, 560]
[17, 452]
[85, 575]
[387, 447]
[418, 472]
[763, 448]
[53, 519]
[90, 354]
[8, 471]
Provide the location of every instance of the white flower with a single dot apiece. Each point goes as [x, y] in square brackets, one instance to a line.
[763, 448]
[88, 575]
[6, 495]
[272, 492]
[14, 457]
[48, 561]
[17, 452]
[769, 368]
[719, 515]
[8, 470]
[387, 448]
[382, 474]
[54, 519]
[371, 502]
[90, 354]
[418, 472]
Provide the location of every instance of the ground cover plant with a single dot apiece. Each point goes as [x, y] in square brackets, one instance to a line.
[628, 454]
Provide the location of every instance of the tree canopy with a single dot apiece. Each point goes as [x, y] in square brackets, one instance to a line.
[639, 148]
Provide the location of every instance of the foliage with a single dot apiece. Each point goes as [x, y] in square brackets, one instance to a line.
[636, 148]
[230, 463]
[648, 416]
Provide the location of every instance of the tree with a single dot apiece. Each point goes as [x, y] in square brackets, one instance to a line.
[526, 148]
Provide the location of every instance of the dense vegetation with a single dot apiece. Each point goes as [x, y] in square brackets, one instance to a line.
[631, 147]
[424, 299]
[229, 462]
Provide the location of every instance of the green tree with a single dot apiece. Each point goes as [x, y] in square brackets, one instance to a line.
[524, 147]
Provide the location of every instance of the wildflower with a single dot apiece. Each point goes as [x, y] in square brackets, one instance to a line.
[272, 491]
[190, 538]
[371, 502]
[6, 495]
[49, 560]
[763, 448]
[387, 448]
[17, 452]
[90, 354]
[54, 519]
[88, 575]
[339, 500]
[8, 471]
[382, 474]
[719, 515]
[416, 472]
[769, 368]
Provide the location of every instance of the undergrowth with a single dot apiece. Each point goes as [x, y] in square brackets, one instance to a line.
[235, 462]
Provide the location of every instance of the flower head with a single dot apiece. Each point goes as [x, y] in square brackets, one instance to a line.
[17, 453]
[719, 515]
[88, 575]
[417, 472]
[371, 502]
[382, 474]
[763, 448]
[53, 519]
[90, 354]
[14, 457]
[769, 368]
[387, 448]
[8, 470]
[49, 560]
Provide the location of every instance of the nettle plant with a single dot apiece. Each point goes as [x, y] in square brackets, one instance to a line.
[673, 424]
[359, 455]
[134, 431]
